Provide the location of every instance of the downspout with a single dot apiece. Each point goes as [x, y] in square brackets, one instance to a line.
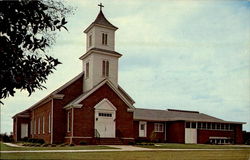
[16, 128]
[51, 121]
[72, 124]
[165, 135]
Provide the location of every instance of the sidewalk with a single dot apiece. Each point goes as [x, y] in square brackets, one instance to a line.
[121, 148]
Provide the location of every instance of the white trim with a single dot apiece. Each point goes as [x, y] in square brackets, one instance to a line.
[39, 125]
[68, 121]
[98, 52]
[49, 123]
[52, 114]
[106, 81]
[72, 124]
[102, 101]
[53, 94]
[78, 137]
[43, 126]
[145, 129]
[126, 138]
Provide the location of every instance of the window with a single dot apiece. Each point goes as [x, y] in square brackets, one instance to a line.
[31, 129]
[142, 126]
[104, 39]
[90, 40]
[105, 68]
[35, 127]
[187, 124]
[68, 123]
[105, 114]
[87, 70]
[208, 125]
[199, 125]
[49, 124]
[193, 125]
[158, 127]
[38, 126]
[43, 125]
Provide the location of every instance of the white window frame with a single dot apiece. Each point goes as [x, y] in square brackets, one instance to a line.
[105, 68]
[39, 125]
[68, 122]
[90, 40]
[49, 121]
[158, 127]
[87, 70]
[35, 126]
[43, 125]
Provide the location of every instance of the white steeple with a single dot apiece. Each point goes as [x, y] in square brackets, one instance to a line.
[100, 60]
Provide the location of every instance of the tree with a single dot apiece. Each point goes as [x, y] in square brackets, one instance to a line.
[27, 28]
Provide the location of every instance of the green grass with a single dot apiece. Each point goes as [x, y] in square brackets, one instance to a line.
[191, 146]
[142, 155]
[4, 147]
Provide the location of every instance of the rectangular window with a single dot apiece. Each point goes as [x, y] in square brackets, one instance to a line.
[193, 124]
[43, 125]
[49, 124]
[105, 114]
[35, 127]
[90, 40]
[68, 123]
[208, 125]
[105, 68]
[38, 126]
[199, 125]
[31, 130]
[188, 125]
[104, 39]
[213, 126]
[158, 127]
[87, 70]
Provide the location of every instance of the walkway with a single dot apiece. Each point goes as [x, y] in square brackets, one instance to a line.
[120, 148]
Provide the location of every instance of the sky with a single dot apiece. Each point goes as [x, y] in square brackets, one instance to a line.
[188, 55]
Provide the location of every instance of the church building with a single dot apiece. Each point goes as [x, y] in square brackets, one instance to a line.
[93, 108]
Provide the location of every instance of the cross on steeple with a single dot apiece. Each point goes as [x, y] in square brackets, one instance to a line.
[100, 5]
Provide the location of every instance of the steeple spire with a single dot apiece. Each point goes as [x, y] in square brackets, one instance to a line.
[100, 5]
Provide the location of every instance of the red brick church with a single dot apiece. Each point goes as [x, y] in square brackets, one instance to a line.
[94, 109]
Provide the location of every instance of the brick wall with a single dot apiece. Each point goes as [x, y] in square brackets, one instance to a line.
[151, 134]
[19, 121]
[84, 117]
[175, 132]
[203, 135]
[37, 114]
[60, 114]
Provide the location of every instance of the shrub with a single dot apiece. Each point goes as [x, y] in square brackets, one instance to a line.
[25, 139]
[45, 145]
[6, 138]
[53, 145]
[83, 143]
[131, 143]
[72, 144]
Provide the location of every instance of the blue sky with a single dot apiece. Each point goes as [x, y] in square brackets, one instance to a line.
[191, 55]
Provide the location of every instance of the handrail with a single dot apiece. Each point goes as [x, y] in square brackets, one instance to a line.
[97, 134]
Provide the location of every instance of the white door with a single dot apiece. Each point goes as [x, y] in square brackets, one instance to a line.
[105, 124]
[191, 135]
[105, 114]
[24, 130]
[142, 129]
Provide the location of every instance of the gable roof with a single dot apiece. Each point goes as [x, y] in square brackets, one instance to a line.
[52, 95]
[121, 93]
[175, 115]
[101, 21]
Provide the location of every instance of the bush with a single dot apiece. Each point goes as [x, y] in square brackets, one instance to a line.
[45, 145]
[83, 143]
[131, 143]
[72, 144]
[25, 139]
[6, 138]
[53, 145]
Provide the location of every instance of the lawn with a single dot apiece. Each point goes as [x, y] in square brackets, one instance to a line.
[4, 147]
[139, 155]
[191, 146]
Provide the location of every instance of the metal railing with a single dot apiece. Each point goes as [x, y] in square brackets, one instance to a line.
[97, 134]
